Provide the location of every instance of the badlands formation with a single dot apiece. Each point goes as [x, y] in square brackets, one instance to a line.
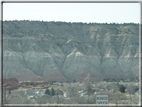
[60, 51]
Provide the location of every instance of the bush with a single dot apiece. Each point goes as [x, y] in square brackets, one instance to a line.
[32, 84]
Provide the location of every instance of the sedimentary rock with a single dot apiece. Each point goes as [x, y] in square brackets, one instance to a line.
[60, 51]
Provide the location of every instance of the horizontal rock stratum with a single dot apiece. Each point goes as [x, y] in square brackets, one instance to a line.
[60, 51]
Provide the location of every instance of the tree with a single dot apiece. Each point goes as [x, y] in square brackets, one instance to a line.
[47, 91]
[87, 87]
[107, 79]
[9, 91]
[122, 89]
[52, 92]
[34, 84]
[74, 80]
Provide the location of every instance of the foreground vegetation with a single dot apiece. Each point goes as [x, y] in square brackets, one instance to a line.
[75, 93]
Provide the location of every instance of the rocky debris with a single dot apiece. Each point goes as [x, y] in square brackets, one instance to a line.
[11, 83]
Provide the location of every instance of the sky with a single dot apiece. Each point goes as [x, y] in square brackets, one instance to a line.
[73, 12]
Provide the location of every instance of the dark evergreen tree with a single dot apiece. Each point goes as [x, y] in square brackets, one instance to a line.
[47, 91]
[122, 89]
[52, 92]
[9, 91]
[74, 80]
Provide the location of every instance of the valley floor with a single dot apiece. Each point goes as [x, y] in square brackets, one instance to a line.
[74, 93]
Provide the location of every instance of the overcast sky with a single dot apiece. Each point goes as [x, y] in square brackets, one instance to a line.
[73, 12]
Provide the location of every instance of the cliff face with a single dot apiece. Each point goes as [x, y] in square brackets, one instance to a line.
[59, 51]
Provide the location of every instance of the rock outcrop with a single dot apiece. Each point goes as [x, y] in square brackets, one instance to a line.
[60, 51]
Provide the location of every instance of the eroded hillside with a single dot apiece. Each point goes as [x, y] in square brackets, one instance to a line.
[60, 51]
